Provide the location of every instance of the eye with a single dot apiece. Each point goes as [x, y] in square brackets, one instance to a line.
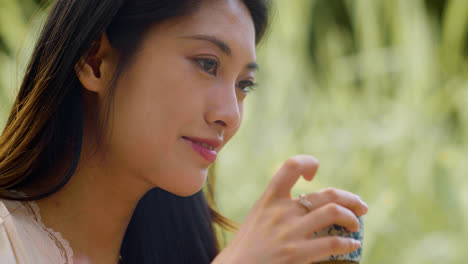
[247, 86]
[210, 66]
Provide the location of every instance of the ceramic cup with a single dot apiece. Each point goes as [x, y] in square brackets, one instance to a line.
[335, 230]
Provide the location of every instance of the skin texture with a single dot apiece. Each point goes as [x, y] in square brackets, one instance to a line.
[168, 92]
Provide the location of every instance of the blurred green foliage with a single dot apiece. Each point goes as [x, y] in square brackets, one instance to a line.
[20, 22]
[375, 89]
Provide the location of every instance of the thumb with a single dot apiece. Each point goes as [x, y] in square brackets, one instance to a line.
[289, 173]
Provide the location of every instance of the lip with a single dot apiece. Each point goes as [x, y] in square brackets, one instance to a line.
[206, 153]
[215, 143]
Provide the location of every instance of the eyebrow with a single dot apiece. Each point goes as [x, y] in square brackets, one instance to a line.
[252, 66]
[222, 46]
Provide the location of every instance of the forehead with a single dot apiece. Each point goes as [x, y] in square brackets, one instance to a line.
[227, 20]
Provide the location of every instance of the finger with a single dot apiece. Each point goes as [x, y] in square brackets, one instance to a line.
[289, 173]
[330, 195]
[313, 250]
[325, 216]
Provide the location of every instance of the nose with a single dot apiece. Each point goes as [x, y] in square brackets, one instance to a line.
[224, 109]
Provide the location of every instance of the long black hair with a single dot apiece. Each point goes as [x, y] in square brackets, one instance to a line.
[46, 121]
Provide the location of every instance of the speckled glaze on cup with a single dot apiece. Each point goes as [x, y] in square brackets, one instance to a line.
[335, 230]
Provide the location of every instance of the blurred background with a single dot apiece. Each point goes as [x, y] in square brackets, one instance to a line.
[377, 90]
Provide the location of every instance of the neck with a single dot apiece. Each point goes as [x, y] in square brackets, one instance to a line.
[93, 209]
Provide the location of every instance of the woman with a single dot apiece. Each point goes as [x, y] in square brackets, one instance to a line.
[123, 97]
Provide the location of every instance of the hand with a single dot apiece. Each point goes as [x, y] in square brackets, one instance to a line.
[278, 229]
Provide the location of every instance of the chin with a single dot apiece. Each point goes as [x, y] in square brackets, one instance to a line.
[186, 186]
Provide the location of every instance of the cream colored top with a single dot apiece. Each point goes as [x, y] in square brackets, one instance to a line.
[25, 240]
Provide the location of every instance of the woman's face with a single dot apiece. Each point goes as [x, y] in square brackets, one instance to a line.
[187, 83]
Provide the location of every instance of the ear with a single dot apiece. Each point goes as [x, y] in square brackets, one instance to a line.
[96, 71]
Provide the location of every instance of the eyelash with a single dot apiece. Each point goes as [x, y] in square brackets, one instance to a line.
[201, 63]
[249, 86]
[246, 86]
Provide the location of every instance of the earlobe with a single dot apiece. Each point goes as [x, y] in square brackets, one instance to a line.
[86, 73]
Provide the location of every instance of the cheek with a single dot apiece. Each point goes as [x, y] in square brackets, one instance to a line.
[152, 106]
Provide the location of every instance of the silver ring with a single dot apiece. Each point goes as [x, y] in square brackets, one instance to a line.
[303, 201]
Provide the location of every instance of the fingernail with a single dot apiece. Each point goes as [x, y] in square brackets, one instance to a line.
[365, 206]
[356, 243]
